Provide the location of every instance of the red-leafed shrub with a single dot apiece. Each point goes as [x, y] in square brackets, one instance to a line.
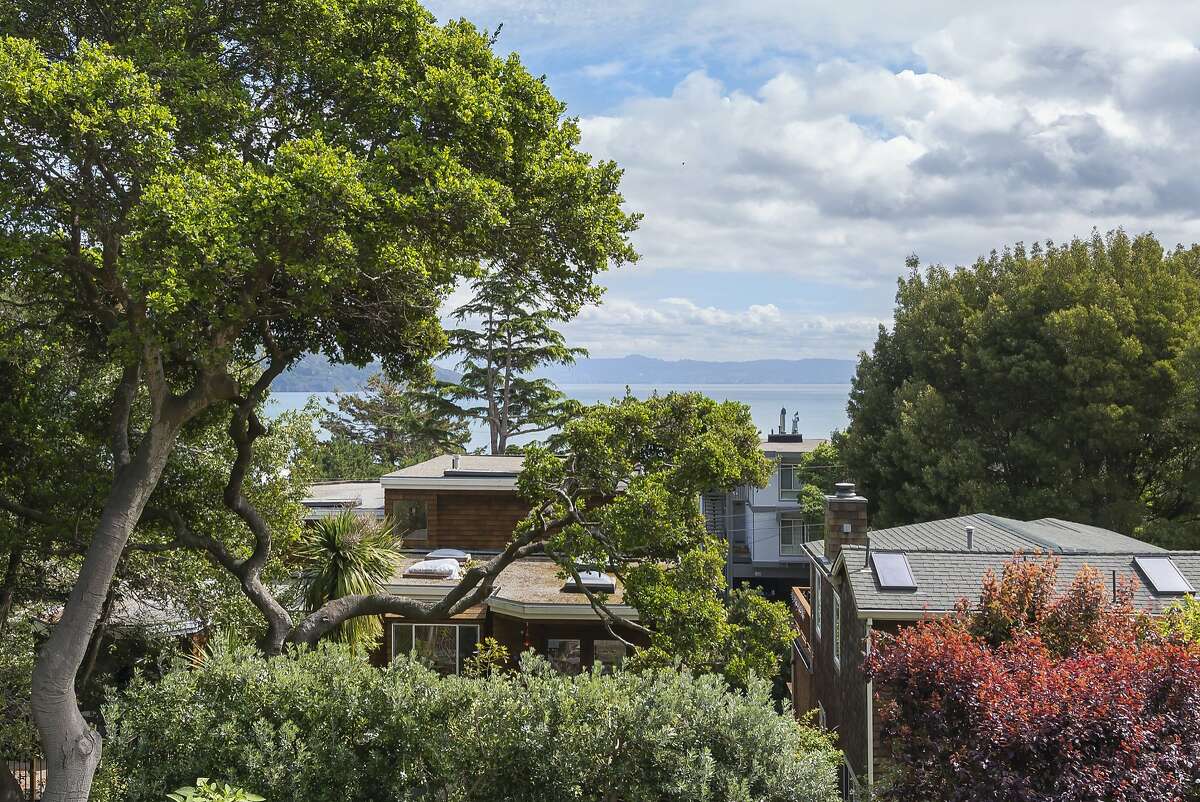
[1033, 696]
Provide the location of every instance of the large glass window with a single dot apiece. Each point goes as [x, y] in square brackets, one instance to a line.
[412, 519]
[789, 482]
[564, 655]
[609, 653]
[791, 535]
[442, 646]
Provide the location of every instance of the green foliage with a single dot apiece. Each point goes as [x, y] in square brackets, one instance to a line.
[323, 725]
[1182, 619]
[512, 334]
[490, 656]
[340, 457]
[344, 555]
[55, 458]
[391, 425]
[625, 477]
[18, 648]
[206, 790]
[1049, 381]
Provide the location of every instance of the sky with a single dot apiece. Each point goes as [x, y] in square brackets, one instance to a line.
[788, 155]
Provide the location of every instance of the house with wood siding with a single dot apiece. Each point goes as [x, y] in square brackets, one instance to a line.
[865, 582]
[456, 508]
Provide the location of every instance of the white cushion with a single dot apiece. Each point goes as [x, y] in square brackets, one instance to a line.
[438, 569]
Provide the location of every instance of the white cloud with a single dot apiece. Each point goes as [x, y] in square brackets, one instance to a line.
[841, 169]
[678, 328]
[603, 70]
[841, 137]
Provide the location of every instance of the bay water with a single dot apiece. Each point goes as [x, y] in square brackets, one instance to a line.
[822, 407]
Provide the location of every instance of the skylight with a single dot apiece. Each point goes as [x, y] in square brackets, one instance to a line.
[892, 571]
[448, 554]
[1162, 575]
[595, 581]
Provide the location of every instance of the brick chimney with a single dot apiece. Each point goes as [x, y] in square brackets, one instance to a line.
[845, 519]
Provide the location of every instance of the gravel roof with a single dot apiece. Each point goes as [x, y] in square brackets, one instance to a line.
[529, 581]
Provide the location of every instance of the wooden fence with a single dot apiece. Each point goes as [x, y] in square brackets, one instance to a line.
[31, 776]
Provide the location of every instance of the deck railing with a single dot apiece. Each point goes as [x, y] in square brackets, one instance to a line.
[31, 776]
[802, 618]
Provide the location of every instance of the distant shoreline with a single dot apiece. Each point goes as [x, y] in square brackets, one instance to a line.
[314, 374]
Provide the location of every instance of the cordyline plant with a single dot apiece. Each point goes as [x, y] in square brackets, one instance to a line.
[1035, 695]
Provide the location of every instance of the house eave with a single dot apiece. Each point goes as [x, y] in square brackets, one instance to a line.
[448, 483]
[545, 612]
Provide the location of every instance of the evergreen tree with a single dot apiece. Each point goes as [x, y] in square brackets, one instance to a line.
[1054, 381]
[515, 336]
[388, 426]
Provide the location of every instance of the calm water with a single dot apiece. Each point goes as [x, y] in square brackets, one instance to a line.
[822, 407]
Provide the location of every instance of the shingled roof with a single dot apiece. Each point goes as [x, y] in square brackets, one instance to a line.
[945, 571]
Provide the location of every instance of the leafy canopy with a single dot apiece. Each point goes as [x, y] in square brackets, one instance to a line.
[207, 192]
[1057, 380]
[505, 333]
[624, 478]
[387, 426]
[1038, 695]
[322, 724]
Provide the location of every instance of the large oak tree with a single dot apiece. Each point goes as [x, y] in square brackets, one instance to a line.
[207, 191]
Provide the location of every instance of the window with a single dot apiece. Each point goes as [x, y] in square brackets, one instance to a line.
[412, 519]
[564, 654]
[893, 571]
[442, 646]
[816, 583]
[836, 611]
[791, 535]
[1163, 575]
[609, 653]
[789, 482]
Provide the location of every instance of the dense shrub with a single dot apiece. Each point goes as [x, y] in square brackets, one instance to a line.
[323, 725]
[1039, 696]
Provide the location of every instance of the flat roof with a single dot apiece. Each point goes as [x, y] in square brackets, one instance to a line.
[330, 498]
[530, 587]
[473, 471]
[808, 445]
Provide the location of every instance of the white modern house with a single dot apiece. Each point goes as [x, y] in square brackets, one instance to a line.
[765, 526]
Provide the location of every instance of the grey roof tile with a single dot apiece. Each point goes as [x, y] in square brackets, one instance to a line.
[945, 577]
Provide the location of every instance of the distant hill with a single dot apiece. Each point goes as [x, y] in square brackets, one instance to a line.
[637, 369]
[316, 374]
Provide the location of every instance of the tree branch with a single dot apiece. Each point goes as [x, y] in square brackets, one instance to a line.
[121, 408]
[29, 513]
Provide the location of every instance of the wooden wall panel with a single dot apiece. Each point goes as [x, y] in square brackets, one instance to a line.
[470, 520]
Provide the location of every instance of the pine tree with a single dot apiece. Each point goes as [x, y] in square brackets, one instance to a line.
[514, 336]
[389, 426]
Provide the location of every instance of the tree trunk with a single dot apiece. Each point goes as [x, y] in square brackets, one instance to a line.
[8, 585]
[93, 650]
[10, 789]
[71, 746]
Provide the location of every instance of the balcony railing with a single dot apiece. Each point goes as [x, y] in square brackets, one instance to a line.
[802, 618]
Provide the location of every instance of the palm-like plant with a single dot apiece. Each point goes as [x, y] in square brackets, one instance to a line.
[345, 555]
